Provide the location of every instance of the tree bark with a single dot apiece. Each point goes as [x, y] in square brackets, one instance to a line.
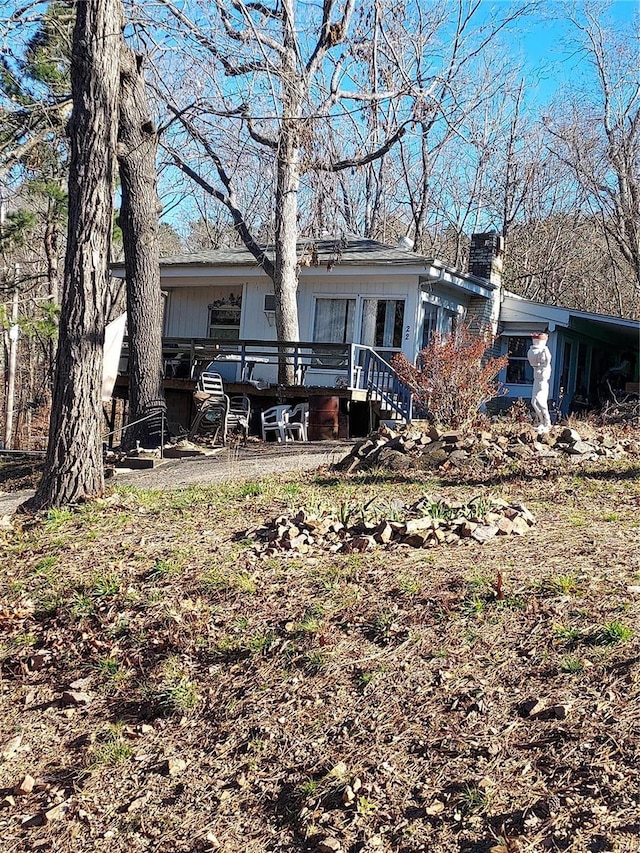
[73, 467]
[285, 279]
[137, 148]
[51, 252]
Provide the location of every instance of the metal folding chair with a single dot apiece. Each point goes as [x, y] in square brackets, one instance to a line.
[239, 415]
[213, 407]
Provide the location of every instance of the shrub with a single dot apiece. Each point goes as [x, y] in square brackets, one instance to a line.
[453, 377]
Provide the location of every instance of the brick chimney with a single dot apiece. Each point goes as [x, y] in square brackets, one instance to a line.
[485, 261]
[485, 256]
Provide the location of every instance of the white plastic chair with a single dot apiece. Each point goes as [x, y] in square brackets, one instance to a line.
[298, 422]
[275, 420]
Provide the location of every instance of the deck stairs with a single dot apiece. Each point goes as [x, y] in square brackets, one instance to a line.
[390, 397]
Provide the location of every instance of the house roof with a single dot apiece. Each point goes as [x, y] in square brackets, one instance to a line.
[327, 254]
[350, 251]
[518, 310]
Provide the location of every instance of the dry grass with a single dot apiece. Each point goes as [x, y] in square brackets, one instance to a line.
[381, 699]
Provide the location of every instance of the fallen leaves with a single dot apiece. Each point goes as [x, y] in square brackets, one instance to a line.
[11, 747]
[434, 669]
[176, 766]
[25, 787]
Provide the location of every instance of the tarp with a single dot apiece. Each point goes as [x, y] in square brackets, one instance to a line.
[113, 335]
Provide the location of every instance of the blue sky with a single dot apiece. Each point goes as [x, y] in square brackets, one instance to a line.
[543, 42]
[546, 44]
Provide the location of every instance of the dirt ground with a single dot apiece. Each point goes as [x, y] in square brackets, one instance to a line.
[168, 685]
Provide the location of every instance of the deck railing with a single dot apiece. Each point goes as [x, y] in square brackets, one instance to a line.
[362, 367]
[185, 358]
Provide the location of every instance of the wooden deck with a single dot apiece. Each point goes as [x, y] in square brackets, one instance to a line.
[354, 412]
[357, 381]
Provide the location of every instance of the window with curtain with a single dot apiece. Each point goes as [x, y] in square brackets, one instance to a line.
[437, 319]
[429, 323]
[449, 322]
[382, 323]
[333, 323]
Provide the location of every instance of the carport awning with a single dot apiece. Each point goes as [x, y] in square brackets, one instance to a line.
[518, 315]
[621, 334]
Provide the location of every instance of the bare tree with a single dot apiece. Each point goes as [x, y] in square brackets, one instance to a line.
[285, 80]
[73, 468]
[290, 70]
[600, 138]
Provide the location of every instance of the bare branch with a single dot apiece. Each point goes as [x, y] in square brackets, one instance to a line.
[227, 200]
[231, 69]
[246, 35]
[355, 162]
[330, 34]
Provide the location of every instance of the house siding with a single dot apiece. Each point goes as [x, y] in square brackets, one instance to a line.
[187, 308]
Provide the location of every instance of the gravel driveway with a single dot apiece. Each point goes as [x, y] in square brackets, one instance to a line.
[257, 459]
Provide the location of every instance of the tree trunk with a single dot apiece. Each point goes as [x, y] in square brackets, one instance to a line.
[285, 278]
[51, 252]
[137, 147]
[73, 467]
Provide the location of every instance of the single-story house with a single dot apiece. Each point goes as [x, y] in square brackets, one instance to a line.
[373, 300]
[350, 291]
[584, 347]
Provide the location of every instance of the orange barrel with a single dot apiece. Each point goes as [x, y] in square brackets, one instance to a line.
[323, 418]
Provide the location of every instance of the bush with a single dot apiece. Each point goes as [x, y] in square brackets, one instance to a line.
[453, 377]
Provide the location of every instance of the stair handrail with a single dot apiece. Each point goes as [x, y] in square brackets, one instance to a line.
[371, 373]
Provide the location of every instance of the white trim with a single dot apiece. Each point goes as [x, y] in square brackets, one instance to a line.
[359, 299]
[442, 302]
[446, 278]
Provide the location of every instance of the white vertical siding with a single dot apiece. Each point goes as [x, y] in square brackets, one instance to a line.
[189, 298]
[255, 323]
[187, 310]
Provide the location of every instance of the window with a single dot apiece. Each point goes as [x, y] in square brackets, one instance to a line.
[448, 323]
[519, 371]
[334, 323]
[566, 366]
[437, 319]
[224, 318]
[382, 323]
[582, 371]
[429, 323]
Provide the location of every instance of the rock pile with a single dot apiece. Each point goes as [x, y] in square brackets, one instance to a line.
[425, 446]
[423, 524]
